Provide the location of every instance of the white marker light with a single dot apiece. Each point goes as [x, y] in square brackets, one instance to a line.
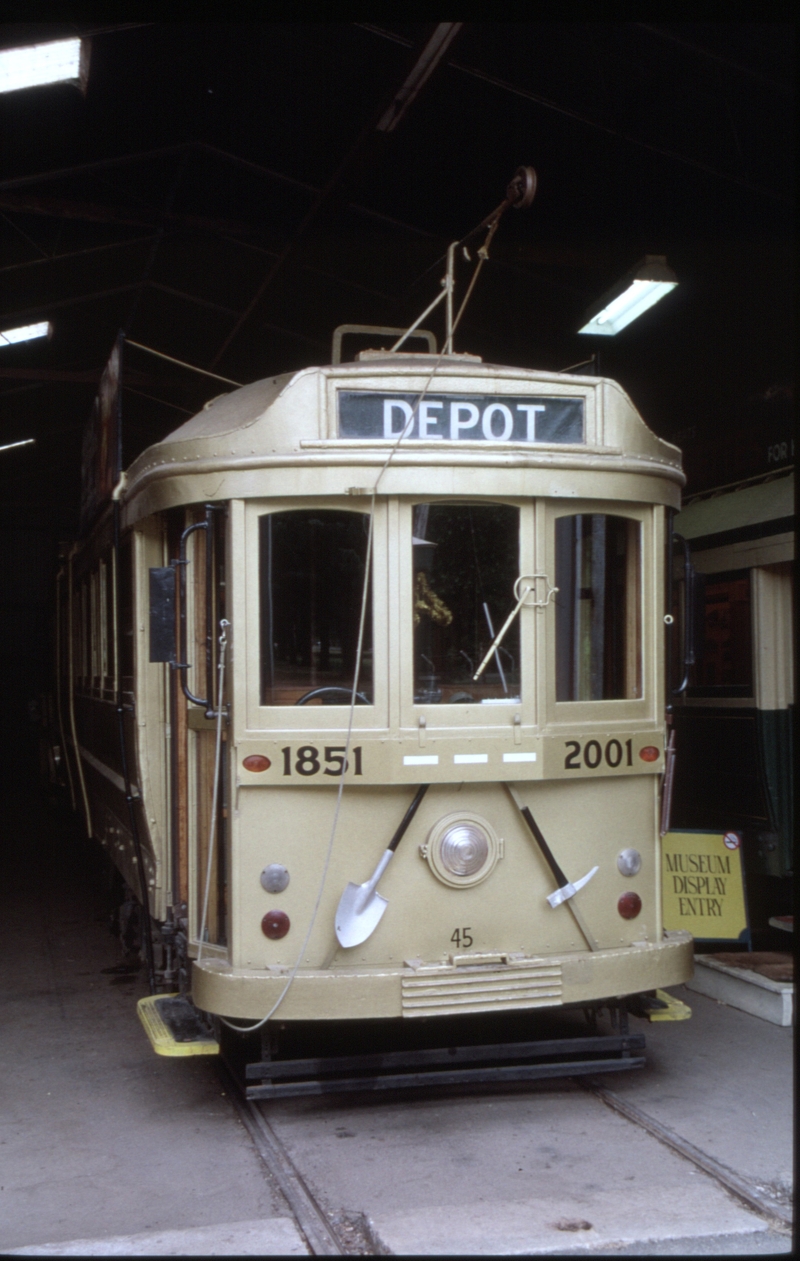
[650, 281]
[61, 61]
[28, 333]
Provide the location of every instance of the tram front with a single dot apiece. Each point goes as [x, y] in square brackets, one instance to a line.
[445, 583]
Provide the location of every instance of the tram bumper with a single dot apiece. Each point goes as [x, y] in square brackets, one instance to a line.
[507, 983]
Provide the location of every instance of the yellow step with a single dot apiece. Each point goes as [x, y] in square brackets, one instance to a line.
[674, 1010]
[173, 1027]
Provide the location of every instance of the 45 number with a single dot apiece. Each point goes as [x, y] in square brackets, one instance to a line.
[462, 938]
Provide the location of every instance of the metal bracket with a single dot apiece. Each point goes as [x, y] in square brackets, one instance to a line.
[534, 578]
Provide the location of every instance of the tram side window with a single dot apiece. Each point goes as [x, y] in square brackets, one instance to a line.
[466, 561]
[726, 664]
[598, 608]
[312, 577]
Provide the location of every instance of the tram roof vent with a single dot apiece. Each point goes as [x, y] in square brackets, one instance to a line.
[414, 354]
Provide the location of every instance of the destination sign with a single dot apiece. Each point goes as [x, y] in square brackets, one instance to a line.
[460, 417]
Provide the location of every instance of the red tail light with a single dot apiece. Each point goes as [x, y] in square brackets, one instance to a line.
[649, 753]
[255, 762]
[275, 925]
[629, 905]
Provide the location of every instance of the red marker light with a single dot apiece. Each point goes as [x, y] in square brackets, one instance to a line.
[256, 762]
[629, 905]
[275, 925]
[649, 753]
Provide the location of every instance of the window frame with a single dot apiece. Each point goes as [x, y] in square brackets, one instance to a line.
[477, 717]
[637, 708]
[245, 540]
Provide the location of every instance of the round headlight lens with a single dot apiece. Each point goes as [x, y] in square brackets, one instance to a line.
[464, 849]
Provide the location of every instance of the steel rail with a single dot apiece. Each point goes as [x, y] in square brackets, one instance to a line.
[733, 1182]
[309, 1216]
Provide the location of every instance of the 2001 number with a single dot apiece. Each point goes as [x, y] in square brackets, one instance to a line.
[307, 761]
[594, 753]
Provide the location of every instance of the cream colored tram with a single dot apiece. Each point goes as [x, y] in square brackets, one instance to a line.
[498, 489]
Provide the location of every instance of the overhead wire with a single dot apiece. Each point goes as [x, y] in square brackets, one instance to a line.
[406, 429]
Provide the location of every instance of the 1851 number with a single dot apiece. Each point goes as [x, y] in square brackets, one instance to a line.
[593, 754]
[306, 761]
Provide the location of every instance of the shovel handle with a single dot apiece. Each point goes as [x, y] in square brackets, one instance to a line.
[407, 817]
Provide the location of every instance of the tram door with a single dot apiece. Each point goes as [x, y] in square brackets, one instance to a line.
[198, 883]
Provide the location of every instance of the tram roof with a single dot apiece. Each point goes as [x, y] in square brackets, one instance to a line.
[291, 419]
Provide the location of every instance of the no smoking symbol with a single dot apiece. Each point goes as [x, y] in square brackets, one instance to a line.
[731, 840]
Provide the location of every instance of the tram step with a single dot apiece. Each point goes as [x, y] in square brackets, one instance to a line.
[174, 1027]
[662, 1006]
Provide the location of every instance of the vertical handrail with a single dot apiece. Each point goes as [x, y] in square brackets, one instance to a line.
[147, 929]
[59, 685]
[73, 726]
[180, 565]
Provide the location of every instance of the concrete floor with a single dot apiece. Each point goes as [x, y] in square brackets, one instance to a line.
[100, 1140]
[98, 1136]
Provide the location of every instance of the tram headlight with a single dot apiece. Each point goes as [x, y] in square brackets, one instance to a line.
[462, 849]
[629, 862]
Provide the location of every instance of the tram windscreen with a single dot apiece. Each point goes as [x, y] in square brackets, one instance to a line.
[466, 561]
[312, 578]
[598, 608]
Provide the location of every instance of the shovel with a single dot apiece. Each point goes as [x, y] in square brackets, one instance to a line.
[360, 907]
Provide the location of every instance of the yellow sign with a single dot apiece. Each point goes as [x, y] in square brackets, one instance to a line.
[702, 889]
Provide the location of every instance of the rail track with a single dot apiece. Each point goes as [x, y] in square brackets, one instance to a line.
[352, 1235]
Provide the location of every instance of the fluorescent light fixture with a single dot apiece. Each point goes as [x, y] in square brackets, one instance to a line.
[61, 61]
[28, 333]
[23, 443]
[630, 297]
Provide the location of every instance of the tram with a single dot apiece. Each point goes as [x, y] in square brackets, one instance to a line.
[362, 689]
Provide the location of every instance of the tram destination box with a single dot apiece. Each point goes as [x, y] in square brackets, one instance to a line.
[461, 417]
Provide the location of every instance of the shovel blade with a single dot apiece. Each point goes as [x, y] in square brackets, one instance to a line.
[356, 922]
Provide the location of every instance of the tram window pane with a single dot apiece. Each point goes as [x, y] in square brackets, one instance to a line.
[726, 664]
[312, 577]
[598, 617]
[466, 561]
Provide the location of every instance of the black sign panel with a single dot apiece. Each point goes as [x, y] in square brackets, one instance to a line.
[162, 614]
[460, 417]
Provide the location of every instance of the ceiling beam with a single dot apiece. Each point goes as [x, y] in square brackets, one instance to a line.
[429, 57]
[93, 249]
[546, 103]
